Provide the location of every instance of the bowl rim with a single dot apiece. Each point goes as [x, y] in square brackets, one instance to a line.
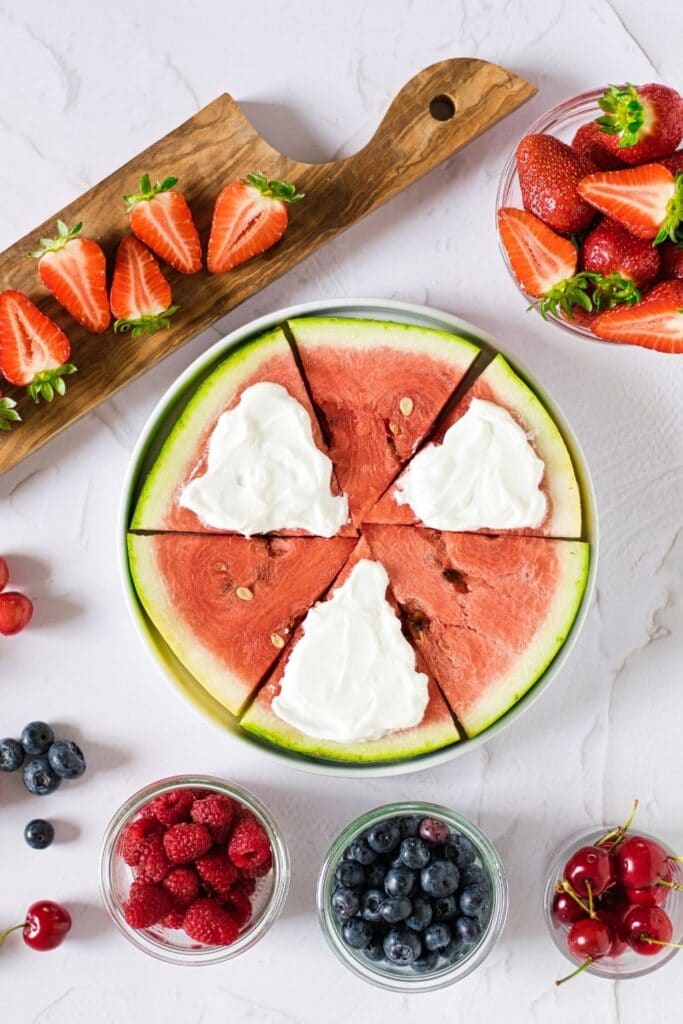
[373, 308]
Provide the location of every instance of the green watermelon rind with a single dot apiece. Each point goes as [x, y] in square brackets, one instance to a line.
[203, 408]
[575, 557]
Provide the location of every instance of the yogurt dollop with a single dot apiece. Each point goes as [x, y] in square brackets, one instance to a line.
[352, 675]
[264, 471]
[485, 474]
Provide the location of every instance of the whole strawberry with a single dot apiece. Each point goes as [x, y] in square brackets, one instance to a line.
[674, 163]
[591, 143]
[672, 261]
[549, 172]
[641, 123]
[610, 249]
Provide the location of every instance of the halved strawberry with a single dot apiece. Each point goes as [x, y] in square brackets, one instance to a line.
[249, 217]
[647, 200]
[74, 269]
[642, 122]
[140, 294]
[8, 417]
[656, 322]
[33, 349]
[161, 218]
[549, 171]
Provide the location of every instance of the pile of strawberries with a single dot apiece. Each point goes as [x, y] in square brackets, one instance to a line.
[196, 855]
[249, 217]
[600, 238]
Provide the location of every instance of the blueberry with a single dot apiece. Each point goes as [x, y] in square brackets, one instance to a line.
[39, 834]
[360, 851]
[66, 759]
[356, 933]
[37, 737]
[374, 876]
[39, 778]
[350, 875]
[409, 825]
[471, 874]
[11, 755]
[473, 900]
[369, 905]
[440, 878]
[461, 850]
[434, 831]
[374, 950]
[383, 836]
[399, 881]
[345, 902]
[467, 929]
[454, 948]
[395, 909]
[436, 937]
[414, 852]
[445, 908]
[421, 915]
[401, 946]
[426, 963]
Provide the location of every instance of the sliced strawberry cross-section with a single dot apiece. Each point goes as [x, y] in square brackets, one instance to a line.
[648, 200]
[74, 270]
[161, 218]
[34, 351]
[656, 322]
[140, 296]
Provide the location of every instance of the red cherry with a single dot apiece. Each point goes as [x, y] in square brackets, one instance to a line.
[44, 927]
[648, 929]
[15, 612]
[651, 896]
[4, 574]
[614, 917]
[566, 910]
[589, 938]
[589, 866]
[640, 862]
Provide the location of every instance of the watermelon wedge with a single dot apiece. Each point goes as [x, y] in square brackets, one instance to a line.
[488, 614]
[227, 605]
[435, 730]
[379, 387]
[183, 456]
[500, 385]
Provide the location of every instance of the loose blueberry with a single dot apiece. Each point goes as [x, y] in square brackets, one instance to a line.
[39, 778]
[401, 946]
[39, 834]
[36, 738]
[471, 874]
[350, 874]
[454, 949]
[474, 900]
[374, 876]
[436, 937]
[399, 881]
[11, 755]
[461, 850]
[445, 908]
[383, 836]
[467, 929]
[409, 825]
[434, 831]
[345, 902]
[426, 963]
[66, 759]
[414, 852]
[360, 851]
[374, 950]
[395, 909]
[421, 915]
[370, 905]
[356, 933]
[440, 878]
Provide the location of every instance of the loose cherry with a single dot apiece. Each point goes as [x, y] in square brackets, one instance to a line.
[648, 929]
[641, 862]
[15, 612]
[589, 870]
[589, 939]
[566, 910]
[45, 926]
[4, 574]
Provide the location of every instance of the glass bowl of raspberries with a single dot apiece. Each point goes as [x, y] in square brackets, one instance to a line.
[614, 903]
[589, 214]
[412, 897]
[193, 870]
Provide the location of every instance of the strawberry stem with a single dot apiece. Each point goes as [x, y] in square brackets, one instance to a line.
[8, 413]
[49, 383]
[64, 236]
[14, 928]
[146, 324]
[672, 228]
[283, 191]
[148, 191]
[578, 970]
[624, 114]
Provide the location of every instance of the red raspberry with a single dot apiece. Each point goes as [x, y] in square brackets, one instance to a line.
[217, 812]
[239, 905]
[206, 921]
[153, 864]
[249, 845]
[247, 885]
[171, 808]
[185, 842]
[217, 872]
[132, 841]
[182, 885]
[146, 904]
[173, 920]
[258, 870]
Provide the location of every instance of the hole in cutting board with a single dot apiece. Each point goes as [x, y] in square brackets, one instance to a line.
[442, 108]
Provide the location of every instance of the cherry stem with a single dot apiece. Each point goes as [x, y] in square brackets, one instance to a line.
[670, 885]
[14, 928]
[675, 858]
[591, 909]
[564, 886]
[660, 942]
[578, 970]
[621, 830]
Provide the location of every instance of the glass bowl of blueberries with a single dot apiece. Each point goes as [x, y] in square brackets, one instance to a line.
[412, 897]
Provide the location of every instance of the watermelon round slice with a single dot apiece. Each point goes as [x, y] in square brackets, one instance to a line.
[227, 605]
[183, 455]
[502, 386]
[436, 730]
[379, 388]
[488, 614]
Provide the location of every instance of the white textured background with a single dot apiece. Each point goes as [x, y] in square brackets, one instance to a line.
[84, 86]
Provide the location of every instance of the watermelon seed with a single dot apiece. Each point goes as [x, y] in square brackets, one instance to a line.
[244, 593]
[393, 427]
[406, 406]
[220, 567]
[276, 640]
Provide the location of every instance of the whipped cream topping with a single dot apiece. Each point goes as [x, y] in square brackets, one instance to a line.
[485, 474]
[264, 471]
[352, 676]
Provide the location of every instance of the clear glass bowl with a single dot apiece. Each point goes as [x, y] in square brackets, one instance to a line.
[629, 964]
[403, 979]
[174, 945]
[562, 122]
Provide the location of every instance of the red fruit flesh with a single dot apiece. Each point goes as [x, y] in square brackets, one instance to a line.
[76, 274]
[589, 142]
[648, 930]
[641, 123]
[589, 939]
[549, 173]
[610, 249]
[566, 910]
[672, 261]
[539, 258]
[140, 294]
[245, 223]
[30, 343]
[641, 862]
[16, 611]
[47, 923]
[164, 223]
[589, 867]
[4, 574]
[637, 197]
[656, 322]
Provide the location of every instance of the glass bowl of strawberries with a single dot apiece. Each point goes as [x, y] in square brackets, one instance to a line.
[193, 870]
[614, 903]
[589, 215]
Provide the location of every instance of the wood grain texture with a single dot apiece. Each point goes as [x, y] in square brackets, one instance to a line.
[215, 146]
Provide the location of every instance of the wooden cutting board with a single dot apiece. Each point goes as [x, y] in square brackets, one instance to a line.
[440, 110]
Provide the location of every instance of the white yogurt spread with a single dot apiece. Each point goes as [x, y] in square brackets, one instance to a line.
[484, 474]
[351, 676]
[264, 471]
